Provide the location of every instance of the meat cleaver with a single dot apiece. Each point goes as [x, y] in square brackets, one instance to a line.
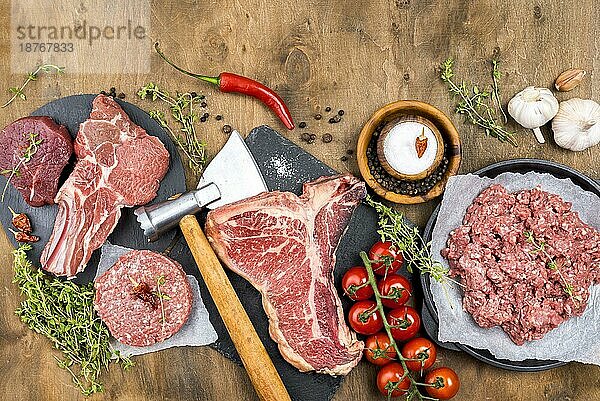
[232, 175]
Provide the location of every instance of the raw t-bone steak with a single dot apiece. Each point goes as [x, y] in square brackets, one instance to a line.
[285, 246]
[118, 165]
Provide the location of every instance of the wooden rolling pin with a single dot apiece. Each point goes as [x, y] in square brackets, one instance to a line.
[258, 364]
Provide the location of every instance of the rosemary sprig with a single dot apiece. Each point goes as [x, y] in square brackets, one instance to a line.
[182, 111]
[32, 76]
[413, 392]
[496, 87]
[540, 247]
[474, 104]
[64, 312]
[32, 148]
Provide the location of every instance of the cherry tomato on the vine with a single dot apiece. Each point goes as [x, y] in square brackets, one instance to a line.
[364, 318]
[378, 349]
[390, 382]
[387, 258]
[421, 349]
[405, 322]
[355, 284]
[444, 381]
[395, 290]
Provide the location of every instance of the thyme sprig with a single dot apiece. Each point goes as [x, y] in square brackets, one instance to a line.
[33, 144]
[413, 392]
[474, 104]
[161, 280]
[496, 75]
[182, 108]
[539, 246]
[417, 253]
[64, 312]
[32, 76]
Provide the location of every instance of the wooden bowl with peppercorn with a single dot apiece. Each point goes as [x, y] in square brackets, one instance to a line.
[407, 151]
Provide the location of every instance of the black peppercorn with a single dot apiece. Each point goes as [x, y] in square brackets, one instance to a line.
[305, 136]
[328, 109]
[227, 128]
[193, 94]
[121, 95]
[203, 104]
[202, 119]
[318, 116]
[103, 93]
[302, 124]
[331, 121]
[341, 113]
[350, 151]
[202, 97]
[344, 158]
[337, 119]
[327, 138]
[313, 136]
[218, 117]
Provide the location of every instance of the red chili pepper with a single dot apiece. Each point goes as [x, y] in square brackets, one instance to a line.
[24, 237]
[228, 82]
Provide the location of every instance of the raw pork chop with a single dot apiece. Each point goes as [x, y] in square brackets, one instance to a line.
[285, 246]
[118, 165]
[37, 179]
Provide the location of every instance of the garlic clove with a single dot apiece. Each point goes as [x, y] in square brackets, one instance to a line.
[577, 125]
[532, 108]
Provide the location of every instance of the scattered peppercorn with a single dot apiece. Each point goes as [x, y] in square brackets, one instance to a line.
[328, 109]
[327, 138]
[193, 94]
[203, 104]
[313, 136]
[205, 115]
[318, 116]
[103, 93]
[305, 136]
[341, 113]
[202, 97]
[344, 158]
[202, 119]
[302, 124]
[331, 121]
[218, 117]
[121, 95]
[227, 128]
[350, 152]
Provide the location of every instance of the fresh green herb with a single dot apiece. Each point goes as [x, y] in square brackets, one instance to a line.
[161, 280]
[393, 228]
[496, 87]
[32, 76]
[474, 104]
[182, 111]
[540, 247]
[413, 392]
[32, 147]
[64, 312]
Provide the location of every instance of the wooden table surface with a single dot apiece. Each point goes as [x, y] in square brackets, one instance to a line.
[350, 55]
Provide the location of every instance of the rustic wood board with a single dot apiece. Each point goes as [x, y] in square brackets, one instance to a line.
[352, 55]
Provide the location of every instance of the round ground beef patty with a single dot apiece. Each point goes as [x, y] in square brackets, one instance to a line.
[129, 302]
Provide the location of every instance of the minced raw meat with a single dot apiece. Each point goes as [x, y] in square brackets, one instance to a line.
[509, 281]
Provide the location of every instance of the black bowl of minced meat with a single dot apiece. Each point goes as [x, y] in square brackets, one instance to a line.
[493, 170]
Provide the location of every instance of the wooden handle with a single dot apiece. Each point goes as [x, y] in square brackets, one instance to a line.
[258, 364]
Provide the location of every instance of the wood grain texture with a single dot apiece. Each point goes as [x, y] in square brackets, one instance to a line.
[352, 55]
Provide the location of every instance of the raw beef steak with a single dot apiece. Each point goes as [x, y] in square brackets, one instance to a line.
[134, 295]
[49, 146]
[285, 246]
[118, 165]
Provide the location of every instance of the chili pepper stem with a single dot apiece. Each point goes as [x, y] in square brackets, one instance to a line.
[212, 80]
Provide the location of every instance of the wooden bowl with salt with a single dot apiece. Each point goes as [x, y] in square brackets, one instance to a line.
[450, 146]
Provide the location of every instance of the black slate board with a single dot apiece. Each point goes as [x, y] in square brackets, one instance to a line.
[71, 111]
[270, 149]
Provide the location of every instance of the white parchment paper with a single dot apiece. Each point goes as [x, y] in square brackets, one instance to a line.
[196, 331]
[577, 339]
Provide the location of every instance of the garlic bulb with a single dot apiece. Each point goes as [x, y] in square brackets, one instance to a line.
[532, 108]
[577, 124]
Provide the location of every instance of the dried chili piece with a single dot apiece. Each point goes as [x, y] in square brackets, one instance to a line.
[20, 221]
[143, 292]
[21, 236]
[421, 144]
[228, 82]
